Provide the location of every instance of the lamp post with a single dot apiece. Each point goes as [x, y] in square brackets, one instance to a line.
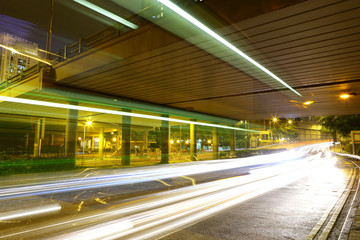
[88, 123]
[274, 120]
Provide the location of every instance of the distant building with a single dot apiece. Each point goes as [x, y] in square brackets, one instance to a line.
[12, 63]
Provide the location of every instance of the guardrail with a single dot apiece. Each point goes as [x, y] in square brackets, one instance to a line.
[84, 44]
[22, 75]
[98, 38]
[74, 49]
[348, 155]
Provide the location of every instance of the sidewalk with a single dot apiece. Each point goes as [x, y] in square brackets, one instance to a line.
[355, 225]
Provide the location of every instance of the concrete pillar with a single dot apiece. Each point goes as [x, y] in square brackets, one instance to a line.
[145, 140]
[164, 141]
[92, 142]
[232, 143]
[215, 143]
[125, 142]
[101, 142]
[39, 135]
[37, 142]
[27, 143]
[52, 138]
[193, 156]
[70, 133]
[118, 140]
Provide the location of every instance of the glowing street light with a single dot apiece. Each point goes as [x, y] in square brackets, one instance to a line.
[308, 102]
[344, 96]
[290, 121]
[274, 119]
[88, 123]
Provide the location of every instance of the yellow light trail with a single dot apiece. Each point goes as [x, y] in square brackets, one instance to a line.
[25, 55]
[113, 112]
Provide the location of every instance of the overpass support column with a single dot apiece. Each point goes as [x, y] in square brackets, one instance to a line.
[101, 143]
[232, 143]
[164, 141]
[125, 143]
[39, 135]
[193, 156]
[145, 140]
[215, 143]
[70, 133]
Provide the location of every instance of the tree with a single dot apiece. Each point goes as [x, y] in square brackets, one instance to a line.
[340, 124]
[283, 129]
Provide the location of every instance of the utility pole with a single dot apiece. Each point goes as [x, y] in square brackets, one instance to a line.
[49, 33]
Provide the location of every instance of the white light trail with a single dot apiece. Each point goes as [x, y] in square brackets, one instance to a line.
[113, 112]
[200, 25]
[106, 13]
[15, 215]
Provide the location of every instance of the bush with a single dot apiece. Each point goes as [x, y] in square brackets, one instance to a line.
[10, 166]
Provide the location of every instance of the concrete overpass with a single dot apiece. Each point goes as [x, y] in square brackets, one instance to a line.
[311, 45]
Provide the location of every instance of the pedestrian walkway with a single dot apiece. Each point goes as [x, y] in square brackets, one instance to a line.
[355, 226]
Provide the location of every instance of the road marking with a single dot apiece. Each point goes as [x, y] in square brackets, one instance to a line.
[192, 180]
[166, 184]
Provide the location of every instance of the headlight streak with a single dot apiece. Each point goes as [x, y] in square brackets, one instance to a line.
[113, 112]
[30, 212]
[199, 207]
[145, 175]
[211, 197]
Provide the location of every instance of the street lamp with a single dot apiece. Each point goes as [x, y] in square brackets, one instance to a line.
[344, 96]
[274, 120]
[88, 123]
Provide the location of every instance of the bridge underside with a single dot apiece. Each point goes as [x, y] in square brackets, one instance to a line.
[312, 46]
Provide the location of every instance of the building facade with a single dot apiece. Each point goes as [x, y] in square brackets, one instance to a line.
[12, 63]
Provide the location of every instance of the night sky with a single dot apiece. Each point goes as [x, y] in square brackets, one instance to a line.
[29, 20]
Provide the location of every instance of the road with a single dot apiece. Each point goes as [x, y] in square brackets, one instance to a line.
[295, 194]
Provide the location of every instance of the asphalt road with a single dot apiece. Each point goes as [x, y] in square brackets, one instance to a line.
[290, 212]
[278, 196]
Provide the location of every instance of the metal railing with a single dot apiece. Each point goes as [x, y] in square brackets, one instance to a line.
[22, 75]
[74, 49]
[98, 38]
[87, 43]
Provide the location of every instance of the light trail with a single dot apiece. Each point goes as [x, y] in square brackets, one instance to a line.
[113, 112]
[138, 176]
[106, 13]
[201, 205]
[25, 55]
[30, 212]
[155, 214]
[221, 40]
